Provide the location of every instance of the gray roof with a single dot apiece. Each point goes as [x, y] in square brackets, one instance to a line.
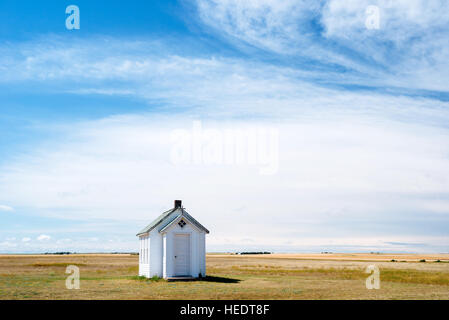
[167, 218]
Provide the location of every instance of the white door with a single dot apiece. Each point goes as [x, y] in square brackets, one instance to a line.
[182, 255]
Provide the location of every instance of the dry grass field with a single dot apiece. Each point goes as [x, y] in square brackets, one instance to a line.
[277, 276]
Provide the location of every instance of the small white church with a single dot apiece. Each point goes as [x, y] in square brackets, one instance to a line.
[173, 246]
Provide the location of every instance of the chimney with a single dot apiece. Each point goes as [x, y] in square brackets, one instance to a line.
[178, 204]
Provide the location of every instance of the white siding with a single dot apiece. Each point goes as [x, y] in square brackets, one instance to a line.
[156, 254]
[140, 256]
[202, 250]
[144, 261]
[197, 253]
[164, 256]
[168, 255]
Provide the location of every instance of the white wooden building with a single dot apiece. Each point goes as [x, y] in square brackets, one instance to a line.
[173, 245]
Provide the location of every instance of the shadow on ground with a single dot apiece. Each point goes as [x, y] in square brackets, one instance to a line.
[205, 279]
[219, 279]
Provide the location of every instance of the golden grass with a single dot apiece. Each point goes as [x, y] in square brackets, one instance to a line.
[348, 257]
[229, 277]
[57, 264]
[390, 275]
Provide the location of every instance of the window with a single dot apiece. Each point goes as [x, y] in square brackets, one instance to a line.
[141, 250]
[146, 250]
[182, 223]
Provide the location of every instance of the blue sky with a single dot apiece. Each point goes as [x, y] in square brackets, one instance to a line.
[88, 119]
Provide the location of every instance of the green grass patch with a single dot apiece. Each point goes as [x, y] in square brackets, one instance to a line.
[388, 275]
[142, 278]
[57, 264]
[415, 276]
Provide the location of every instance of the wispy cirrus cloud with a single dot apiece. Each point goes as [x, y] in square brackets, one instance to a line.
[360, 176]
[274, 25]
[371, 163]
[387, 130]
[409, 49]
[401, 21]
[43, 237]
[411, 44]
[6, 208]
[219, 85]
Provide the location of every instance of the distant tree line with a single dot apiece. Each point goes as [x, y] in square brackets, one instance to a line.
[61, 253]
[67, 252]
[255, 252]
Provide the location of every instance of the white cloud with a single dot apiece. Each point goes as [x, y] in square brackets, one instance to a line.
[79, 245]
[26, 239]
[6, 208]
[412, 42]
[236, 243]
[275, 25]
[7, 245]
[65, 241]
[215, 86]
[411, 46]
[282, 27]
[344, 156]
[400, 19]
[335, 169]
[43, 237]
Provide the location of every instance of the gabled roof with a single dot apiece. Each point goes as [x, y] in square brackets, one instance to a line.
[167, 218]
[155, 222]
